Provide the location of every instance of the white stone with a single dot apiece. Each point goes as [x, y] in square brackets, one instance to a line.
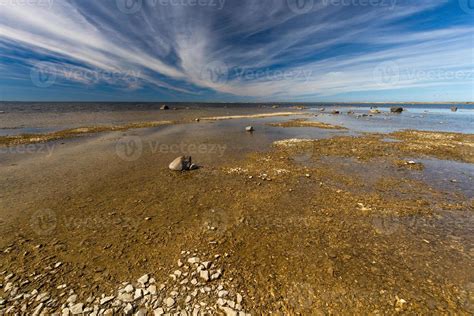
[222, 293]
[125, 297]
[8, 286]
[106, 299]
[77, 309]
[42, 297]
[216, 275]
[138, 294]
[129, 288]
[159, 311]
[229, 311]
[152, 289]
[239, 298]
[193, 260]
[71, 299]
[204, 275]
[128, 310]
[144, 279]
[169, 301]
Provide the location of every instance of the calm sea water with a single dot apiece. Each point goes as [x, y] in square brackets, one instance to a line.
[23, 117]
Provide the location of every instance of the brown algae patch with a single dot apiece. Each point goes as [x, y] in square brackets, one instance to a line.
[306, 123]
[454, 146]
[443, 145]
[75, 132]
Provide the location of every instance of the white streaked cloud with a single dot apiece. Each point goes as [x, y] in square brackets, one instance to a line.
[249, 48]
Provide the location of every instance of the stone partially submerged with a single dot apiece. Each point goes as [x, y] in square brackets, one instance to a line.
[396, 109]
[182, 163]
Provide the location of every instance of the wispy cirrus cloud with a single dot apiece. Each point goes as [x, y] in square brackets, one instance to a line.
[268, 49]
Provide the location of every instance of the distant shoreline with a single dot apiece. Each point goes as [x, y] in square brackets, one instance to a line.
[281, 103]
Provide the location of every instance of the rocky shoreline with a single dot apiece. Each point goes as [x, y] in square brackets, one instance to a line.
[346, 224]
[195, 287]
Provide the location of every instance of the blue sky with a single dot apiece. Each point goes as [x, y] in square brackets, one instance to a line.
[237, 50]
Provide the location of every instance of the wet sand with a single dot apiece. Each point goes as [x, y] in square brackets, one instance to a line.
[338, 222]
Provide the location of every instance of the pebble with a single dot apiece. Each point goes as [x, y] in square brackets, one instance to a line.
[77, 309]
[144, 279]
[106, 299]
[129, 288]
[138, 294]
[71, 299]
[169, 301]
[152, 289]
[204, 274]
[249, 129]
[193, 260]
[128, 309]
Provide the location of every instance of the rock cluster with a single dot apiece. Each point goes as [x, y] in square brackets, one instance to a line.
[196, 287]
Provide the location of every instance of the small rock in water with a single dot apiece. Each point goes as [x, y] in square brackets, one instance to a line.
[454, 108]
[164, 107]
[396, 109]
[182, 163]
[250, 129]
